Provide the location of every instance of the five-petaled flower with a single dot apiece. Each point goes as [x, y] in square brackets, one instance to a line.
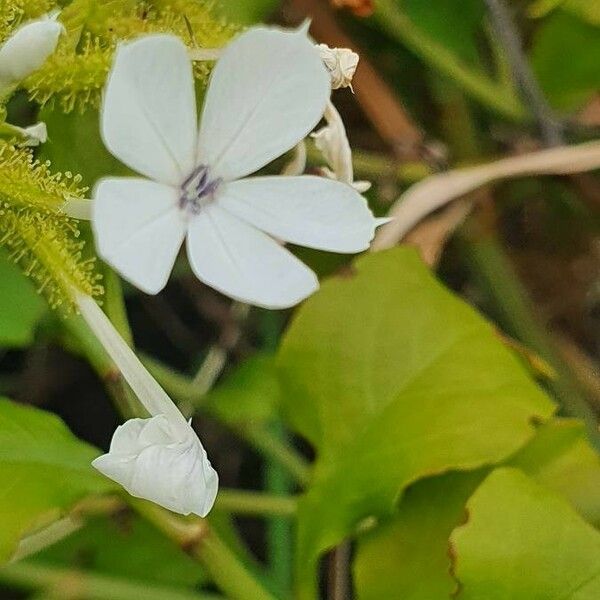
[267, 92]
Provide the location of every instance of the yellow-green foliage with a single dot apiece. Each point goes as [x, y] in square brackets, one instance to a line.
[28, 183]
[41, 240]
[14, 12]
[75, 75]
[8, 19]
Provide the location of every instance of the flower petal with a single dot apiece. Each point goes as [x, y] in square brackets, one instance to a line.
[310, 211]
[152, 460]
[149, 117]
[27, 50]
[244, 263]
[267, 92]
[138, 229]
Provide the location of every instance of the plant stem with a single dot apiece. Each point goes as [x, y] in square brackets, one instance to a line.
[218, 353]
[72, 583]
[477, 84]
[375, 166]
[201, 542]
[280, 451]
[277, 479]
[55, 532]
[550, 129]
[92, 506]
[255, 503]
[180, 387]
[339, 572]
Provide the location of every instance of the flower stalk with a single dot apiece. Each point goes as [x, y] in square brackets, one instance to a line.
[198, 539]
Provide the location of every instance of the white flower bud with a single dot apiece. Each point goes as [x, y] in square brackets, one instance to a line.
[341, 64]
[333, 144]
[151, 459]
[27, 50]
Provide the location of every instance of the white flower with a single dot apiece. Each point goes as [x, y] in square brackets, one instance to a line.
[267, 92]
[341, 64]
[151, 459]
[161, 458]
[27, 50]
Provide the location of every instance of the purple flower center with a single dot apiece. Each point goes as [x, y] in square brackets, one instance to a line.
[198, 190]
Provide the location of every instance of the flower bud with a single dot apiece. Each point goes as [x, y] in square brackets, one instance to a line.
[27, 50]
[333, 144]
[341, 64]
[35, 135]
[151, 459]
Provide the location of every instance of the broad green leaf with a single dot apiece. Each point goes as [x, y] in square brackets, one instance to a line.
[20, 306]
[565, 55]
[522, 540]
[44, 470]
[393, 378]
[125, 546]
[561, 457]
[409, 553]
[250, 393]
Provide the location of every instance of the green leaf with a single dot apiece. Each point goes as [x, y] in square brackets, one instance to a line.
[456, 24]
[561, 457]
[44, 470]
[248, 12]
[565, 56]
[125, 546]
[524, 541]
[393, 378]
[410, 554]
[20, 307]
[250, 393]
[588, 10]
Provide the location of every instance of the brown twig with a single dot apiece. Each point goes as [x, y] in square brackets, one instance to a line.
[339, 570]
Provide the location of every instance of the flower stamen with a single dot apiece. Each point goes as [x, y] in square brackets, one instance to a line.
[198, 190]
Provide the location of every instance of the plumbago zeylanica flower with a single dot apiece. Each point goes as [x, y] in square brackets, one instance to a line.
[159, 458]
[267, 92]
